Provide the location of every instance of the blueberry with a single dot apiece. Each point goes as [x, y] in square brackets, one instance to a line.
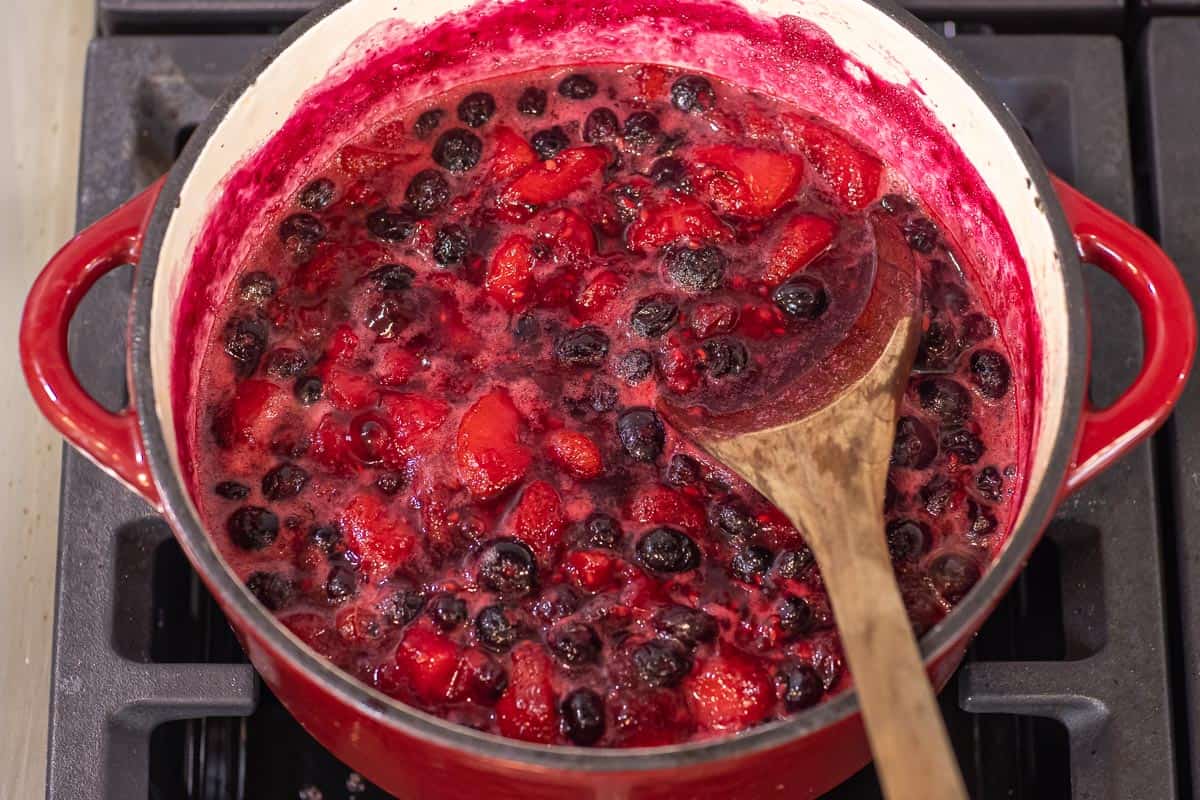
[575, 644]
[390, 226]
[750, 563]
[641, 433]
[232, 490]
[795, 616]
[692, 94]
[907, 539]
[662, 662]
[802, 298]
[308, 389]
[641, 128]
[982, 520]
[447, 611]
[582, 712]
[457, 150]
[532, 101]
[634, 367]
[724, 357]
[667, 171]
[939, 348]
[526, 328]
[577, 87]
[990, 373]
[914, 446]
[256, 287]
[341, 583]
[935, 495]
[946, 399]
[392, 277]
[389, 482]
[732, 520]
[667, 550]
[476, 109]
[953, 575]
[700, 270]
[601, 530]
[682, 471]
[990, 483]
[428, 122]
[895, 203]
[245, 340]
[285, 362]
[921, 234]
[586, 346]
[794, 564]
[450, 245]
[272, 589]
[252, 527]
[555, 603]
[963, 445]
[325, 537]
[602, 396]
[495, 629]
[284, 482]
[301, 230]
[550, 142]
[690, 626]
[384, 318]
[508, 568]
[427, 192]
[317, 195]
[654, 315]
[402, 606]
[601, 125]
[802, 687]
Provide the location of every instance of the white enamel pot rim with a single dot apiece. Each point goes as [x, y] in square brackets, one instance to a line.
[1043, 488]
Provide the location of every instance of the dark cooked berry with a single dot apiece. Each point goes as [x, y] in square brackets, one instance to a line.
[699, 270]
[385, 318]
[802, 298]
[308, 390]
[921, 234]
[582, 712]
[936, 495]
[641, 433]
[915, 446]
[602, 396]
[402, 606]
[301, 230]
[256, 288]
[389, 482]
[634, 367]
[392, 277]
[245, 340]
[601, 125]
[575, 644]
[976, 328]
[990, 484]
[555, 603]
[341, 583]
[939, 348]
[654, 315]
[670, 143]
[667, 550]
[963, 445]
[284, 482]
[980, 518]
[508, 567]
[252, 527]
[317, 195]
[550, 142]
[795, 616]
[427, 192]
[723, 357]
[532, 101]
[691, 626]
[232, 490]
[577, 87]
[428, 122]
[447, 611]
[894, 203]
[601, 530]
[641, 129]
[946, 399]
[285, 362]
[662, 662]
[272, 589]
[390, 226]
[907, 539]
[476, 109]
[450, 245]
[802, 687]
[667, 171]
[495, 629]
[457, 150]
[731, 519]
[586, 346]
[692, 94]
[682, 471]
[794, 564]
[990, 373]
[526, 328]
[750, 563]
[325, 537]
[953, 575]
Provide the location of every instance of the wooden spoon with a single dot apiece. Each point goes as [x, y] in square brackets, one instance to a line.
[827, 471]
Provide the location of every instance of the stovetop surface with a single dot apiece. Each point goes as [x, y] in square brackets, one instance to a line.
[1067, 692]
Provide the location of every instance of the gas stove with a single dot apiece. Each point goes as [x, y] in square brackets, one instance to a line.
[1077, 686]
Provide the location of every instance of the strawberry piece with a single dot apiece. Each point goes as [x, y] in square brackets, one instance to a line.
[729, 692]
[567, 232]
[709, 319]
[659, 505]
[850, 171]
[538, 521]
[678, 369]
[253, 414]
[358, 625]
[347, 390]
[321, 271]
[413, 416]
[512, 155]
[428, 660]
[605, 287]
[510, 272]
[489, 456]
[746, 181]
[343, 345]
[361, 194]
[528, 710]
[651, 82]
[660, 223]
[648, 718]
[314, 631]
[391, 135]
[552, 180]
[479, 679]
[805, 236]
[331, 449]
[396, 366]
[577, 453]
[590, 570]
[358, 161]
[380, 541]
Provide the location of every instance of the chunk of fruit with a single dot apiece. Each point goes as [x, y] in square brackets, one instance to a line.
[567, 232]
[850, 171]
[383, 543]
[804, 237]
[659, 505]
[648, 718]
[358, 161]
[396, 366]
[729, 692]
[709, 319]
[331, 449]
[527, 710]
[537, 520]
[347, 390]
[552, 180]
[605, 287]
[746, 181]
[428, 661]
[413, 415]
[590, 570]
[577, 453]
[512, 155]
[343, 345]
[510, 272]
[660, 223]
[253, 414]
[489, 456]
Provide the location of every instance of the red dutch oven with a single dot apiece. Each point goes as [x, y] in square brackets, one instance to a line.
[863, 64]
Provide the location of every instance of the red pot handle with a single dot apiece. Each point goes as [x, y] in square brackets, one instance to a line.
[1168, 333]
[109, 439]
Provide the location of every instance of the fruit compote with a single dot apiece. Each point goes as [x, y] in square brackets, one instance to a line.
[426, 428]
